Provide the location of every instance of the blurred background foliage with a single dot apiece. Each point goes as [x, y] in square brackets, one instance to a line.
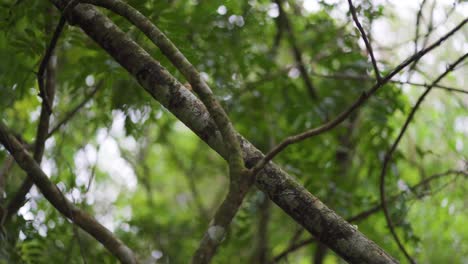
[144, 175]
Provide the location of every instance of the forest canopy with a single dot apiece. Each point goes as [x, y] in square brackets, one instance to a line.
[250, 131]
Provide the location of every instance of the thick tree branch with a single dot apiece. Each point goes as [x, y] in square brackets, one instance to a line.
[60, 202]
[366, 40]
[47, 69]
[360, 101]
[239, 177]
[294, 199]
[388, 156]
[371, 211]
[182, 64]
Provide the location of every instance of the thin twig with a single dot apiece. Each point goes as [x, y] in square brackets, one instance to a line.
[418, 22]
[426, 36]
[361, 100]
[284, 22]
[366, 78]
[392, 149]
[366, 41]
[70, 114]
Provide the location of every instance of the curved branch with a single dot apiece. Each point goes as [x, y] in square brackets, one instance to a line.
[60, 202]
[240, 180]
[361, 100]
[366, 40]
[388, 156]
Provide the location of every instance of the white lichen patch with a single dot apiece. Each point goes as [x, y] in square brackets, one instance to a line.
[216, 233]
[108, 24]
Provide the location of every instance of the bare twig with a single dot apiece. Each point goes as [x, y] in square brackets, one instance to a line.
[70, 114]
[361, 100]
[366, 78]
[418, 22]
[283, 21]
[426, 36]
[60, 202]
[392, 149]
[366, 41]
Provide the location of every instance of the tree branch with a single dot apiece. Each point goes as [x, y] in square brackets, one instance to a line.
[366, 41]
[47, 69]
[240, 180]
[418, 23]
[47, 99]
[388, 157]
[19, 197]
[70, 114]
[413, 67]
[296, 201]
[371, 211]
[60, 202]
[361, 100]
[366, 78]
